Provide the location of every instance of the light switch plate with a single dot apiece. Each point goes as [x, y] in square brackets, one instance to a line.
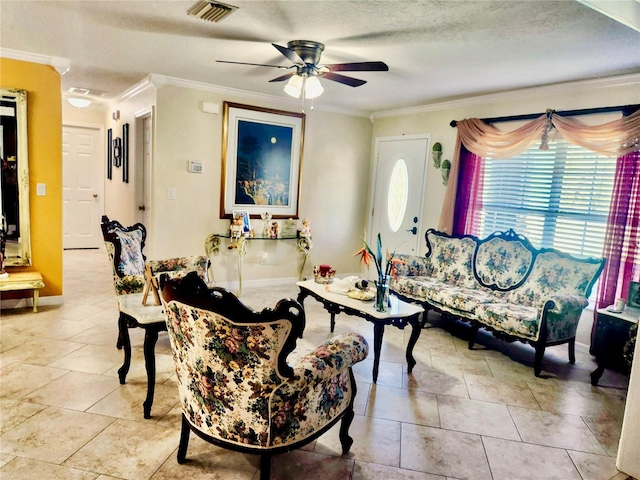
[171, 194]
[41, 189]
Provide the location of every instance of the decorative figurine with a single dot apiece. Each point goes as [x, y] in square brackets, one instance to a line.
[236, 230]
[266, 231]
[273, 232]
[306, 228]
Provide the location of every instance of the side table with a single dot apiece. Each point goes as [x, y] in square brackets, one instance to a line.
[611, 335]
[23, 281]
[133, 313]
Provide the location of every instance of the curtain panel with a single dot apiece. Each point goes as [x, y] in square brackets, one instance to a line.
[616, 139]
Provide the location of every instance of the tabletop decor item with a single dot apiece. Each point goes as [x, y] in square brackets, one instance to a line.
[323, 273]
[384, 271]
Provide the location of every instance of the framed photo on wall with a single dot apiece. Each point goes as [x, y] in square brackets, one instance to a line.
[261, 161]
[246, 222]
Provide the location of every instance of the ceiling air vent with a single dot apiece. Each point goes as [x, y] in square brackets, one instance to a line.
[85, 91]
[211, 11]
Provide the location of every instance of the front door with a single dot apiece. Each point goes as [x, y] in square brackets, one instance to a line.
[82, 167]
[398, 196]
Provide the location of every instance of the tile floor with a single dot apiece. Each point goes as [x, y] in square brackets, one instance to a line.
[462, 414]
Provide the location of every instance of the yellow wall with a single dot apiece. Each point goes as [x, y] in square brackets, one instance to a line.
[44, 126]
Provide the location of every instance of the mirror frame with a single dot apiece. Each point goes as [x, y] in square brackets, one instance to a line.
[24, 258]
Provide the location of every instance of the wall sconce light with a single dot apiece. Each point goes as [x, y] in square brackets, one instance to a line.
[79, 102]
[116, 115]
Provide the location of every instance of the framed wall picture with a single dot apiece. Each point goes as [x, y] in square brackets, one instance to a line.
[634, 295]
[109, 153]
[261, 161]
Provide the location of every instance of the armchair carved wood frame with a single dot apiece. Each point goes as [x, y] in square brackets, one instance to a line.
[237, 390]
[133, 276]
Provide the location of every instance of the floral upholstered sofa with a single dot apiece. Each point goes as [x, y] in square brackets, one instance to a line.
[503, 284]
[236, 386]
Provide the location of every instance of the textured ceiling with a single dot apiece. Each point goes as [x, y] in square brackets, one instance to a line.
[436, 50]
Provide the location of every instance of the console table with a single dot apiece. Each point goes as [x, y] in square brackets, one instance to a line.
[611, 335]
[399, 315]
[23, 281]
[212, 245]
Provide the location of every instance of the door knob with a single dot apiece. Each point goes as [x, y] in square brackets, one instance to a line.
[95, 195]
[141, 207]
[413, 230]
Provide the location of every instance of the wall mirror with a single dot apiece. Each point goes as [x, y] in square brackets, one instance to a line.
[14, 186]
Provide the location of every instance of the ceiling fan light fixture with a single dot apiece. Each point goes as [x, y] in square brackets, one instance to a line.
[79, 102]
[313, 88]
[294, 86]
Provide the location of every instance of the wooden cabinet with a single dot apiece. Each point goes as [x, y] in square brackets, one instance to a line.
[611, 335]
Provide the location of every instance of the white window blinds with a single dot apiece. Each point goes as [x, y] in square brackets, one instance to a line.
[558, 198]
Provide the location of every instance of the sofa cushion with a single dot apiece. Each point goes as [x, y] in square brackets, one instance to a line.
[554, 274]
[414, 287]
[456, 299]
[131, 259]
[451, 258]
[502, 263]
[518, 320]
[413, 265]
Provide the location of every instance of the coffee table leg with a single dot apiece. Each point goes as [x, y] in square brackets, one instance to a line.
[149, 347]
[378, 333]
[416, 328]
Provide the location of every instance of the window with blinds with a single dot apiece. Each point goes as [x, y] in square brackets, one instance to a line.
[558, 198]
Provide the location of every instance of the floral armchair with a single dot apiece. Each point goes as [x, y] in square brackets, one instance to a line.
[124, 247]
[236, 388]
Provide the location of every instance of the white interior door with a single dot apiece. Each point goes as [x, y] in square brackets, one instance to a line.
[398, 195]
[143, 184]
[82, 166]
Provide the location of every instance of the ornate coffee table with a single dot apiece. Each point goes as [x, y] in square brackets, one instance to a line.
[399, 315]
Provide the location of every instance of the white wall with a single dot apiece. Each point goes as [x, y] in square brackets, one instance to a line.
[436, 122]
[334, 187]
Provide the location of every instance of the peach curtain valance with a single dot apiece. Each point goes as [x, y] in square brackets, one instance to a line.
[614, 139]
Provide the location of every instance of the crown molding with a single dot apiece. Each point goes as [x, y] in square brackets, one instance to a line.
[158, 81]
[514, 95]
[61, 64]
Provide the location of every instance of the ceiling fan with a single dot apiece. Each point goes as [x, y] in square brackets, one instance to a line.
[306, 68]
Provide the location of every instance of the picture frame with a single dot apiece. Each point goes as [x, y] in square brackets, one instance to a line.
[261, 161]
[246, 221]
[634, 295]
[109, 154]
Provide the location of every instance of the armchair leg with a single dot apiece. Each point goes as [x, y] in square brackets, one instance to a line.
[537, 363]
[345, 440]
[572, 351]
[184, 441]
[265, 467]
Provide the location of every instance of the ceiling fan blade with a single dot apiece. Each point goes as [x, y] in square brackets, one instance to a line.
[254, 64]
[283, 77]
[290, 54]
[352, 82]
[358, 67]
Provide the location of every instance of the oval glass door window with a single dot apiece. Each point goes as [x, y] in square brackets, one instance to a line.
[398, 195]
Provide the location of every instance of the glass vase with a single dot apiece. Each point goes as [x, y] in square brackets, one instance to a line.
[382, 295]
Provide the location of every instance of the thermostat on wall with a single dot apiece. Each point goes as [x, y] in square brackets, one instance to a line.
[195, 167]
